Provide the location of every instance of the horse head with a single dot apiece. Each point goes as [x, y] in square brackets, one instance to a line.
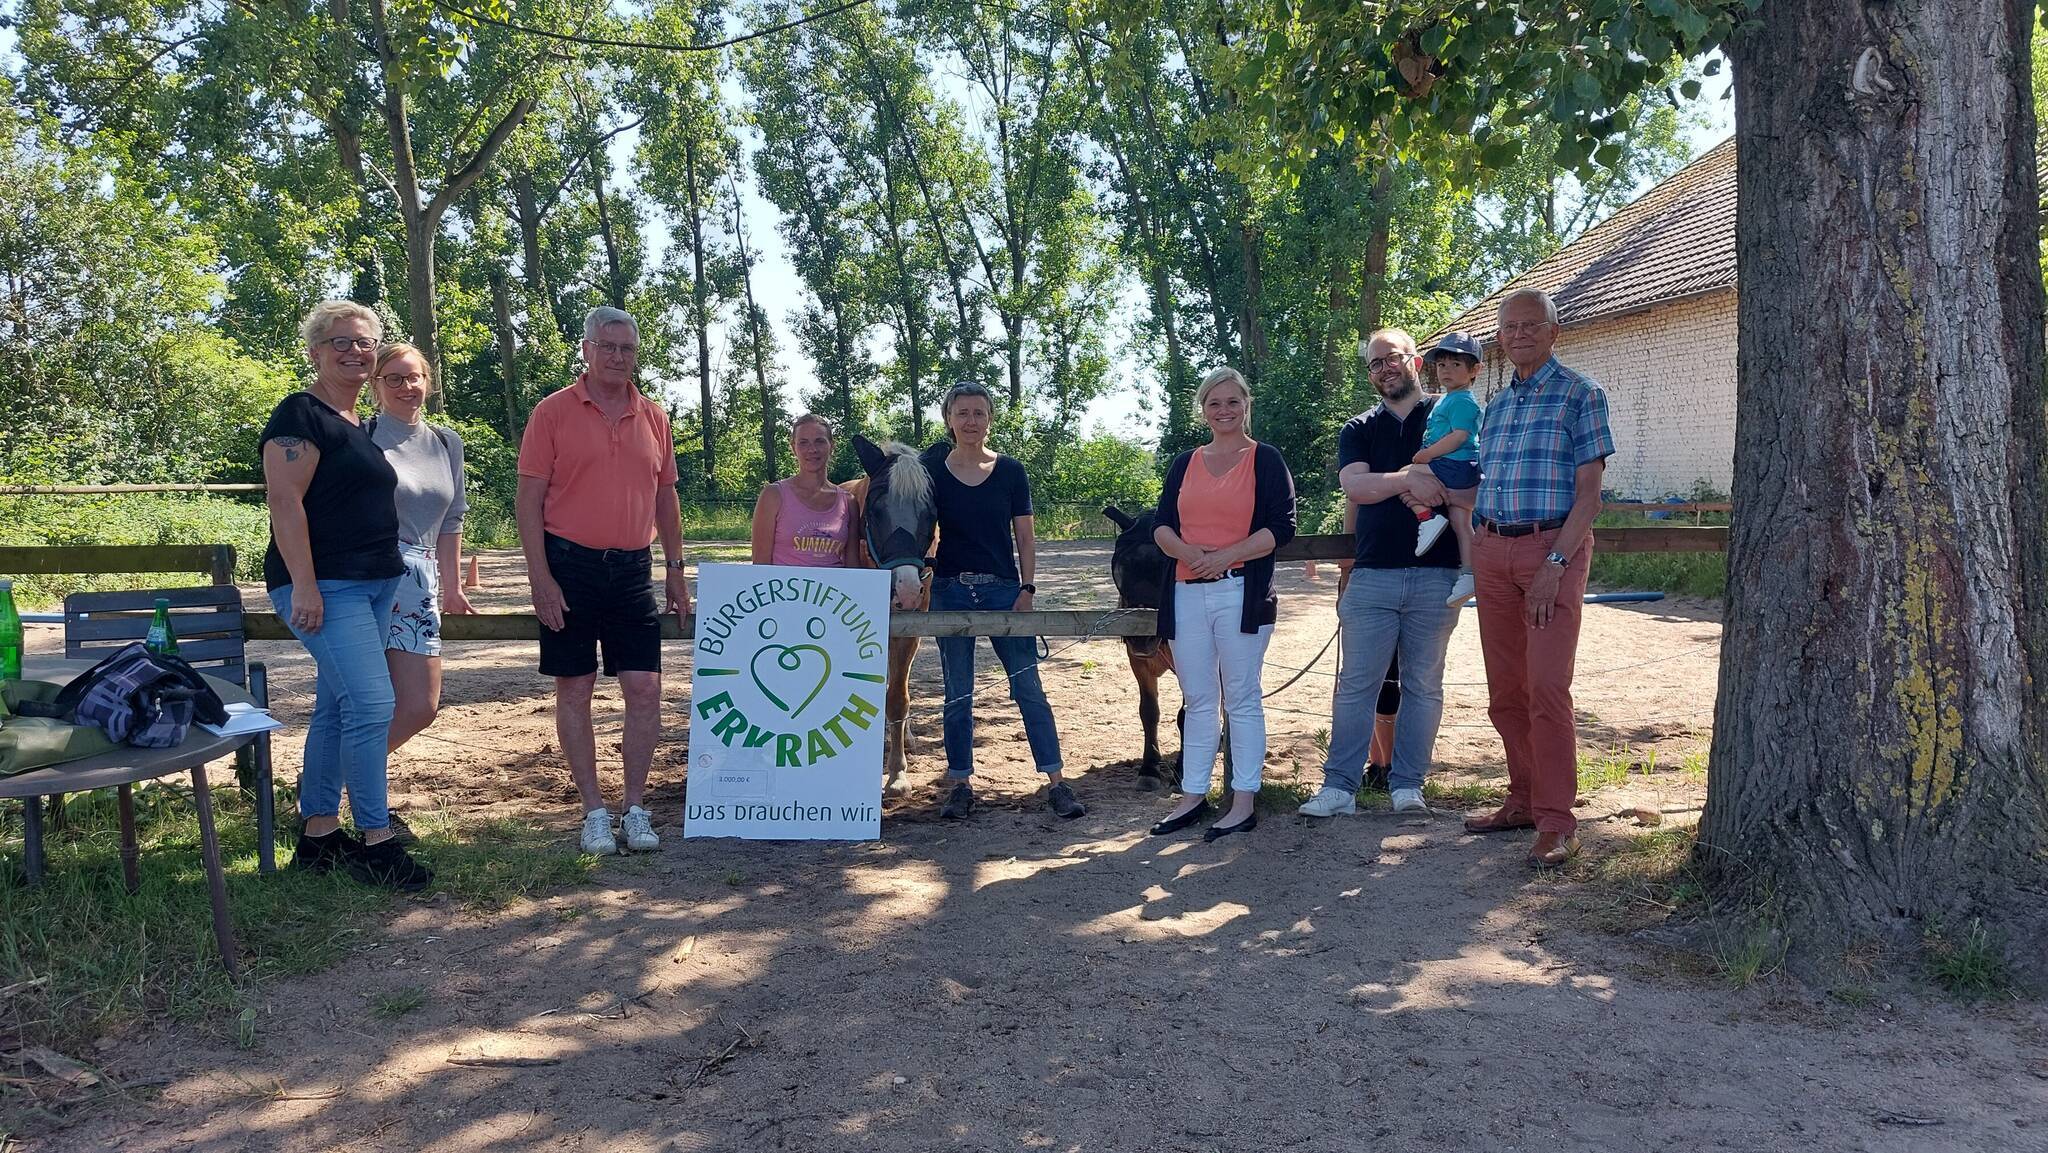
[1136, 566]
[898, 516]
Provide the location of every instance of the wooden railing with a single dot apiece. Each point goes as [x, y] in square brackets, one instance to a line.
[521, 626]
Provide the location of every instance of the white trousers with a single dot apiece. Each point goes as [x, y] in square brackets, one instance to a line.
[1218, 663]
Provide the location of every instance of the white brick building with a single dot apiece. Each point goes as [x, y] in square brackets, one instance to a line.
[1647, 302]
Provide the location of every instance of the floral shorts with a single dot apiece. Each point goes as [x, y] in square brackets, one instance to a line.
[416, 614]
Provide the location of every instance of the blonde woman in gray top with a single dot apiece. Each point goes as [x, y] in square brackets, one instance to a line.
[431, 504]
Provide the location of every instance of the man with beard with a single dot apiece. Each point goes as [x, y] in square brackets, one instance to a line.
[1394, 602]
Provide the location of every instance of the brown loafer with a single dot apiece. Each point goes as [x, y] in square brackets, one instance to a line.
[1503, 820]
[1552, 850]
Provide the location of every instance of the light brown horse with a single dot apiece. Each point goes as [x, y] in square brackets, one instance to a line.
[899, 523]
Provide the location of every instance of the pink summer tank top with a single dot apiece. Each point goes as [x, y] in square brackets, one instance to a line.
[809, 537]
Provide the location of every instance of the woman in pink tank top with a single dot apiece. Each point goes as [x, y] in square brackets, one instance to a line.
[806, 520]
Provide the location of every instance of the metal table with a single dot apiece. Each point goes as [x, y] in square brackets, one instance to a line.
[121, 768]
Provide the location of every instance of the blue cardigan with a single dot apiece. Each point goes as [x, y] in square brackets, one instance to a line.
[1272, 510]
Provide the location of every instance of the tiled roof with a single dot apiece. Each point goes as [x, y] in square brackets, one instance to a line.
[1677, 239]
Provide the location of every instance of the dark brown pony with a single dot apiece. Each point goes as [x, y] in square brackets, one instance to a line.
[1138, 569]
[898, 525]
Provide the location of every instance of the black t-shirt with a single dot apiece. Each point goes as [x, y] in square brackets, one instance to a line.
[351, 506]
[1384, 442]
[975, 531]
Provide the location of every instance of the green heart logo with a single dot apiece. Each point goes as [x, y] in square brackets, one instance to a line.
[792, 671]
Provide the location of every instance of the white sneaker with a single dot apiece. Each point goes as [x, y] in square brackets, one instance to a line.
[1461, 591]
[597, 833]
[1329, 801]
[1428, 533]
[639, 827]
[1409, 801]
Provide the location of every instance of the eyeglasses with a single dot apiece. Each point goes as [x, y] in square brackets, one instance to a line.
[1390, 360]
[607, 349]
[403, 379]
[1529, 326]
[358, 343]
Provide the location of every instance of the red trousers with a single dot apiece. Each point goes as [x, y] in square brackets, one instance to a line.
[1529, 671]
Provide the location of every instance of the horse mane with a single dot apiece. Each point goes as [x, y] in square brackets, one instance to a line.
[910, 487]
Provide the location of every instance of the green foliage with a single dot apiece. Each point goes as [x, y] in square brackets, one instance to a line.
[112, 370]
[1971, 966]
[133, 518]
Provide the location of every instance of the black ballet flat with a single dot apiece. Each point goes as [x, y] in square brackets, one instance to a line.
[1215, 832]
[1176, 824]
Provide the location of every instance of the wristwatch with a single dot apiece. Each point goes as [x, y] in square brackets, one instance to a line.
[1028, 587]
[674, 563]
[1558, 559]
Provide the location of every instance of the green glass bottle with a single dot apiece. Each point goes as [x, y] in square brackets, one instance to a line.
[10, 634]
[160, 638]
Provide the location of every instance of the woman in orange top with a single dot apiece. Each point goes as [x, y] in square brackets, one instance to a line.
[1224, 509]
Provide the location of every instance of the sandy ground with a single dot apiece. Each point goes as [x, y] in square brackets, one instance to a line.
[1017, 982]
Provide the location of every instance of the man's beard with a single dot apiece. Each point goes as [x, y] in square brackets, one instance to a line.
[1401, 389]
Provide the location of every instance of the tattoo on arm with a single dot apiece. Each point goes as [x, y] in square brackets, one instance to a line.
[293, 446]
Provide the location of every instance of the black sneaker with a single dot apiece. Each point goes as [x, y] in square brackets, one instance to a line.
[959, 802]
[401, 832]
[387, 863]
[1063, 801]
[322, 854]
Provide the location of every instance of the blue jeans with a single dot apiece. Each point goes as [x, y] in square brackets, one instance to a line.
[352, 700]
[1020, 660]
[1384, 611]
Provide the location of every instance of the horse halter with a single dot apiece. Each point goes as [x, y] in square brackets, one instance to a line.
[881, 556]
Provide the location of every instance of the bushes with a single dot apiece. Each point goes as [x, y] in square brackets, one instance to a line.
[133, 518]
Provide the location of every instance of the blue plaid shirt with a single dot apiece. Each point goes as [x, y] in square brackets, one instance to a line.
[1534, 437]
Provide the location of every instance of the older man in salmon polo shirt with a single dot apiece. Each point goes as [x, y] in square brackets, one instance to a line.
[597, 482]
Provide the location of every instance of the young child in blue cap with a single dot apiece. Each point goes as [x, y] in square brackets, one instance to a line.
[1450, 447]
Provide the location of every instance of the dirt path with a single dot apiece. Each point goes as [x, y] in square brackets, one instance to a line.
[1018, 982]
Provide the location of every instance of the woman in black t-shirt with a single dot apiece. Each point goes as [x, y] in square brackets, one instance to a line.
[982, 498]
[332, 569]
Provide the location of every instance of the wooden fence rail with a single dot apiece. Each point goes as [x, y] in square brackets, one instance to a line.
[521, 626]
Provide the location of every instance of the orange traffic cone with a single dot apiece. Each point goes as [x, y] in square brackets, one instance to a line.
[472, 581]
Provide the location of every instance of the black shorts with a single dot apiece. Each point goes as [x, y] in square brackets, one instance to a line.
[608, 596]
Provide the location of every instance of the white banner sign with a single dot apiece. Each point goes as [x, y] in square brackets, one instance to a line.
[786, 703]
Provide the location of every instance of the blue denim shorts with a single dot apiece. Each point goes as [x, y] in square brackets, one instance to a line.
[1456, 473]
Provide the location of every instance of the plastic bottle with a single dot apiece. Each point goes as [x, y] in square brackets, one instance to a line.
[10, 634]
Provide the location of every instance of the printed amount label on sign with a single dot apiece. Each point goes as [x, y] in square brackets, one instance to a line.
[788, 692]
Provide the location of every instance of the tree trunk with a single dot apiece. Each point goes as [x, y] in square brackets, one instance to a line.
[739, 235]
[1880, 758]
[508, 349]
[1251, 332]
[702, 307]
[615, 278]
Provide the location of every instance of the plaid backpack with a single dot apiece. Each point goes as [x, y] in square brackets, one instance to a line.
[136, 697]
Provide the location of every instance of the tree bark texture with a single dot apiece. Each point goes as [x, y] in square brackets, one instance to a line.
[1879, 762]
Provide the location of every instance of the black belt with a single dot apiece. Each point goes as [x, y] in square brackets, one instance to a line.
[644, 555]
[1526, 528]
[1236, 572]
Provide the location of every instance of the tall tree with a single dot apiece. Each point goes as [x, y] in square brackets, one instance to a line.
[1881, 732]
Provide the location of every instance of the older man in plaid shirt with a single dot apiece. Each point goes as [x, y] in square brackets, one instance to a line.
[1543, 447]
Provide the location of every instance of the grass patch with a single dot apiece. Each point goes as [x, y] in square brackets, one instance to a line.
[1694, 574]
[1971, 966]
[1468, 795]
[1691, 574]
[393, 1005]
[1750, 949]
[106, 959]
[1647, 879]
[1616, 765]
